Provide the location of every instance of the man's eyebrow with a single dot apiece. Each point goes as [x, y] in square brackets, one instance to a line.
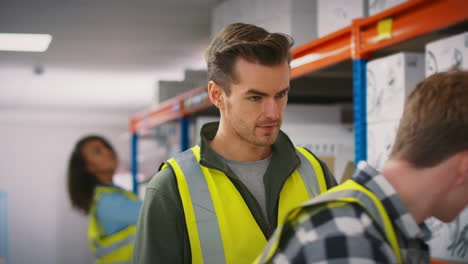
[284, 90]
[256, 92]
[253, 91]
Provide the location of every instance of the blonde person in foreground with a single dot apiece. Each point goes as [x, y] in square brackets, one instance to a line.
[378, 217]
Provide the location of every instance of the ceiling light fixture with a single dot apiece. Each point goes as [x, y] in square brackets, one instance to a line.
[24, 42]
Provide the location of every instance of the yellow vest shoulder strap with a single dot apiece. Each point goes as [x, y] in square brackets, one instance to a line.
[311, 172]
[205, 239]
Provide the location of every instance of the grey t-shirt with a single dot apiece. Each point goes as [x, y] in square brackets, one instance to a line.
[251, 174]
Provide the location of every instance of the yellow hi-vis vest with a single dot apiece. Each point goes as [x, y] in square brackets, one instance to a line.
[340, 195]
[220, 226]
[116, 248]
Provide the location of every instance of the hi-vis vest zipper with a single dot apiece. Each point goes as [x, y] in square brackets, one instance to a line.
[220, 226]
[116, 248]
[338, 196]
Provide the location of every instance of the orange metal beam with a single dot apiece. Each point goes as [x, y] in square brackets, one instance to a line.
[168, 110]
[435, 261]
[321, 53]
[409, 20]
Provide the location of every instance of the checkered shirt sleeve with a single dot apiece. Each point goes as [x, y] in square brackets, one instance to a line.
[335, 235]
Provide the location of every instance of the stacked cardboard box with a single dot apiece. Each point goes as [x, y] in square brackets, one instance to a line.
[389, 82]
[169, 89]
[377, 6]
[296, 18]
[446, 54]
[337, 14]
[448, 240]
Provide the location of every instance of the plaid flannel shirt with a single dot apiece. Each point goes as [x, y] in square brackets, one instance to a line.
[347, 234]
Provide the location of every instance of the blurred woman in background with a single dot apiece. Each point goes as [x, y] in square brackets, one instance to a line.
[113, 212]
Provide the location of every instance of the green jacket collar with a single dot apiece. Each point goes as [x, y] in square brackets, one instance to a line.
[284, 159]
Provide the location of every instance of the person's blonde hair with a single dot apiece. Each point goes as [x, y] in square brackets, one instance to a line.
[434, 125]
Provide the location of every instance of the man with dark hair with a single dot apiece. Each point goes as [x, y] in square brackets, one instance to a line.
[220, 202]
[378, 217]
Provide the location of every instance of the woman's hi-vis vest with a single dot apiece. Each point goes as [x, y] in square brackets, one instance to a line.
[220, 226]
[340, 195]
[116, 248]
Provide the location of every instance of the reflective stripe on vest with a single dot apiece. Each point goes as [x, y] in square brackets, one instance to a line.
[104, 251]
[213, 206]
[348, 192]
[315, 185]
[116, 248]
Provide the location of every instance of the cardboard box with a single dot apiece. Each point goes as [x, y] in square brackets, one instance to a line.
[389, 81]
[296, 18]
[341, 173]
[330, 161]
[380, 139]
[225, 13]
[334, 15]
[333, 142]
[377, 6]
[169, 89]
[448, 240]
[196, 78]
[348, 172]
[445, 54]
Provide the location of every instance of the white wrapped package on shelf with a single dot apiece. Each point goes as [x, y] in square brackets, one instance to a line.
[337, 14]
[445, 54]
[380, 139]
[293, 17]
[449, 242]
[297, 18]
[226, 12]
[389, 81]
[377, 6]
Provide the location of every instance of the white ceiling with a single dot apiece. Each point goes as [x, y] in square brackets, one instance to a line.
[103, 52]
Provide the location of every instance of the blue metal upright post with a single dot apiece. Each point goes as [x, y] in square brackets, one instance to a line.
[134, 162]
[360, 113]
[184, 133]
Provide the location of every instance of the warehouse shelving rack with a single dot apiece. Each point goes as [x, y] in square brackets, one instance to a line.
[357, 42]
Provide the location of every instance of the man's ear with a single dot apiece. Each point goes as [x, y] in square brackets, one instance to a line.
[216, 94]
[462, 170]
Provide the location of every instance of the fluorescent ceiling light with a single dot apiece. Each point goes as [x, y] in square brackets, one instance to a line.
[24, 42]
